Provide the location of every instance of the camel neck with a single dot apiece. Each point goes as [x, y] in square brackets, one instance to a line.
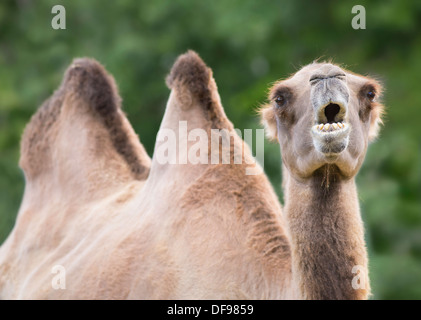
[329, 259]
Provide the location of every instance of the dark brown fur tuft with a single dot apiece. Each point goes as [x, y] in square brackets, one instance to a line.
[189, 73]
[189, 70]
[88, 80]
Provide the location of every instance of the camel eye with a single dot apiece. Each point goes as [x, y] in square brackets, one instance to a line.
[371, 95]
[280, 100]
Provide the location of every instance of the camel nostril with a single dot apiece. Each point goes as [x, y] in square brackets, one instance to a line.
[331, 110]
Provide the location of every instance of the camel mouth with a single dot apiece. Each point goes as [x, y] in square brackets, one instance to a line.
[331, 130]
[331, 138]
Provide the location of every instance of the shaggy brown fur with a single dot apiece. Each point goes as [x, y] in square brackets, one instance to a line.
[39, 136]
[191, 73]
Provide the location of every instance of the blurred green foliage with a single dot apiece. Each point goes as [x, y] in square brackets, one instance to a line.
[249, 44]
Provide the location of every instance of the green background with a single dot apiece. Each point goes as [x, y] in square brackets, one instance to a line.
[248, 44]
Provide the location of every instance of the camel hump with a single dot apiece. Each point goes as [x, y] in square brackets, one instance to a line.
[193, 83]
[189, 71]
[84, 110]
[87, 79]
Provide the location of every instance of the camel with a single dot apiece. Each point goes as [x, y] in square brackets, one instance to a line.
[115, 224]
[323, 118]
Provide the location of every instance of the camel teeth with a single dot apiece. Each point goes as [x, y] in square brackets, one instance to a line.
[327, 127]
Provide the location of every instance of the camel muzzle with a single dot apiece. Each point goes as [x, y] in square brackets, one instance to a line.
[329, 97]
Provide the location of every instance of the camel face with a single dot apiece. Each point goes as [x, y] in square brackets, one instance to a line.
[322, 115]
[329, 97]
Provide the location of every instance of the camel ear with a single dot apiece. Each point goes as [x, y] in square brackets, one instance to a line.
[375, 122]
[267, 115]
[377, 113]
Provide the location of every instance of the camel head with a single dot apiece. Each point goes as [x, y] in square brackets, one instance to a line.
[323, 115]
